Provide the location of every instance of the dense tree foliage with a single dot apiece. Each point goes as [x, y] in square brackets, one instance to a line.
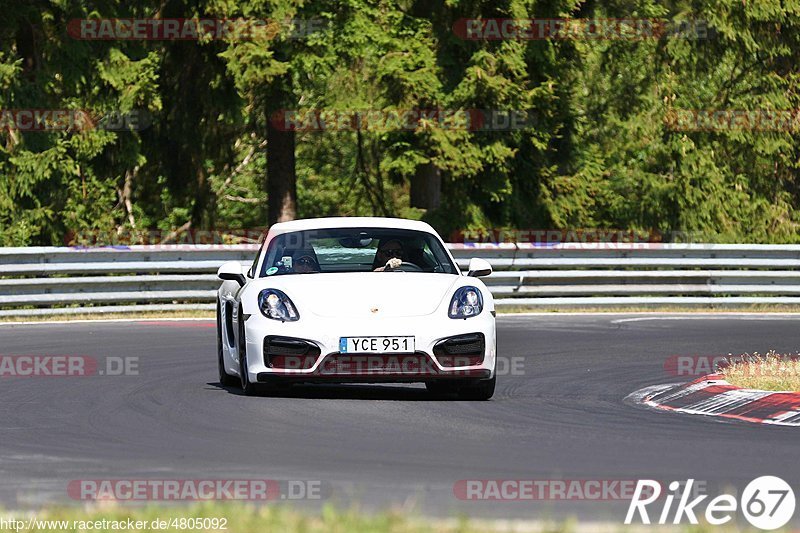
[616, 132]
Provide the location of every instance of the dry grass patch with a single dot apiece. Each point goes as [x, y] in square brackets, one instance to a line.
[772, 371]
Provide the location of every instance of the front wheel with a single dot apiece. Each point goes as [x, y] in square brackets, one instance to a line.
[249, 389]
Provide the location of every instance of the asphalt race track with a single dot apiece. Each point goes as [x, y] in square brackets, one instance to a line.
[561, 415]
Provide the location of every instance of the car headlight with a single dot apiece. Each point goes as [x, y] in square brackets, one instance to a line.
[466, 302]
[276, 305]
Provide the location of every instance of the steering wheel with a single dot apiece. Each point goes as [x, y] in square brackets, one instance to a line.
[405, 266]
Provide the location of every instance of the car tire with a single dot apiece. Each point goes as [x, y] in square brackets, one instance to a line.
[225, 379]
[248, 388]
[483, 390]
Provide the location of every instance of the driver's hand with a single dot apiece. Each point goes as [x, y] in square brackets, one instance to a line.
[393, 263]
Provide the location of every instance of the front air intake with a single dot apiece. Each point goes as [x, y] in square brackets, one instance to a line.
[289, 353]
[461, 350]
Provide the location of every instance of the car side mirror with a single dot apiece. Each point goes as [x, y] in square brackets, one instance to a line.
[479, 267]
[231, 271]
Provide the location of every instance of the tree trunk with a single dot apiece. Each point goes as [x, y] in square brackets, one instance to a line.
[281, 177]
[26, 49]
[202, 211]
[426, 187]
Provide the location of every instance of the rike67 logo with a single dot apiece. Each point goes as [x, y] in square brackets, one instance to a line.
[767, 502]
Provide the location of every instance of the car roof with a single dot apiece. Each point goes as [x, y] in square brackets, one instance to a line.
[349, 222]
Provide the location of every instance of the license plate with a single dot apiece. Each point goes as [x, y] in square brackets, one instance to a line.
[376, 344]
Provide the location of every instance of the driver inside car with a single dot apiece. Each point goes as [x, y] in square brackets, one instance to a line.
[305, 262]
[389, 256]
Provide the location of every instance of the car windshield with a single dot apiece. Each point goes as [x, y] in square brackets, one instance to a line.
[355, 250]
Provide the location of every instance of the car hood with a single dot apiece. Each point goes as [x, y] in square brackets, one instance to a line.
[368, 294]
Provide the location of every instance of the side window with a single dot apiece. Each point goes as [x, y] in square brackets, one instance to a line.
[252, 272]
[428, 256]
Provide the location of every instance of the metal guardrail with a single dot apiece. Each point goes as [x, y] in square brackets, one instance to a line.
[59, 280]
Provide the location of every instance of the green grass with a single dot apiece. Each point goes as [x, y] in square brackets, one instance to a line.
[243, 518]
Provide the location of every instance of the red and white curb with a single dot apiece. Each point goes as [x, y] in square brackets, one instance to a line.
[713, 396]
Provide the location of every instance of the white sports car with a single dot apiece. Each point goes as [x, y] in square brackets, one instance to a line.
[356, 300]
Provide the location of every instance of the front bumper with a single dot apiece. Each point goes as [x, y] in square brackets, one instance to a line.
[322, 361]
